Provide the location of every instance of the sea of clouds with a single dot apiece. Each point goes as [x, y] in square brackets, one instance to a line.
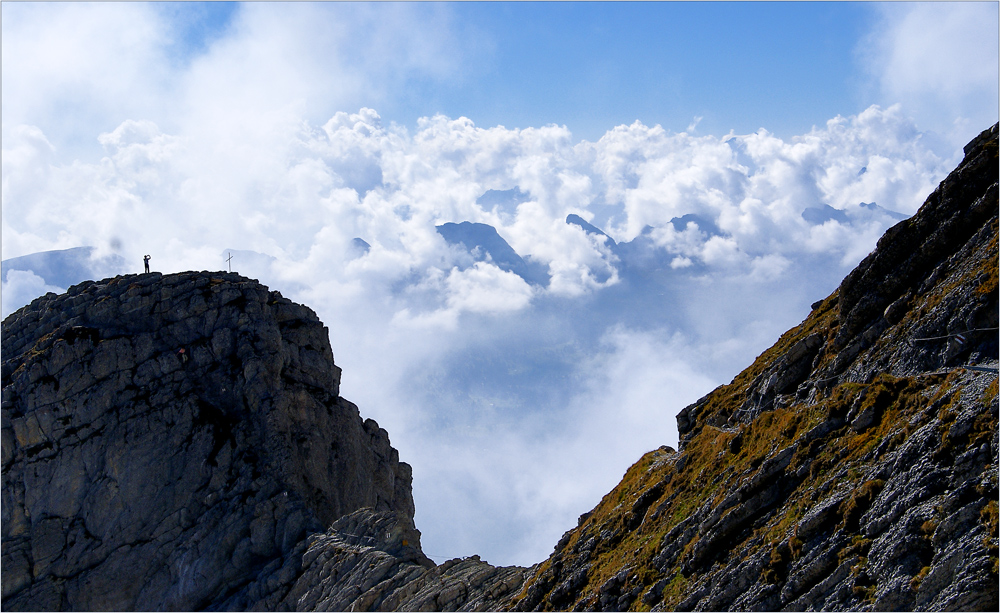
[518, 403]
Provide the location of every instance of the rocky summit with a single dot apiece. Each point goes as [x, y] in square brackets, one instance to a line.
[179, 442]
[171, 440]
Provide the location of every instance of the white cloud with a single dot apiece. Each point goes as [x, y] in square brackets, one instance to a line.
[769, 266]
[537, 474]
[78, 65]
[680, 262]
[940, 60]
[484, 288]
[27, 159]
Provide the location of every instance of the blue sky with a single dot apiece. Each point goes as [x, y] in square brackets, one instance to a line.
[713, 140]
[587, 65]
[198, 25]
[590, 65]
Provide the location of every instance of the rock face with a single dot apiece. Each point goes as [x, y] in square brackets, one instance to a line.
[169, 440]
[179, 442]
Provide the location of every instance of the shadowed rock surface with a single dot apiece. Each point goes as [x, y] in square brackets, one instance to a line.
[168, 439]
[853, 466]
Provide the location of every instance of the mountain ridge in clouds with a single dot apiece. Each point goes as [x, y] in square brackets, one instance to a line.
[66, 267]
[484, 244]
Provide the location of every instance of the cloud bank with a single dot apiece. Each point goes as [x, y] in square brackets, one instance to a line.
[305, 196]
[940, 60]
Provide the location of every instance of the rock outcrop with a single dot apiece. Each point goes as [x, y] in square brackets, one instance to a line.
[169, 440]
[179, 442]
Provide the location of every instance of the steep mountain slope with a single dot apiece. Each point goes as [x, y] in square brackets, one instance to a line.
[852, 466]
[179, 442]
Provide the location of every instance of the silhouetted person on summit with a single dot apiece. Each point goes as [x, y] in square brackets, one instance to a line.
[145, 260]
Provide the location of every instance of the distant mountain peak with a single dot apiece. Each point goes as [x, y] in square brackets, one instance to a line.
[359, 247]
[67, 267]
[704, 224]
[819, 215]
[484, 243]
[575, 220]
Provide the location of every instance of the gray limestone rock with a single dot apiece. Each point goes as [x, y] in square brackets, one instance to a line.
[168, 439]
